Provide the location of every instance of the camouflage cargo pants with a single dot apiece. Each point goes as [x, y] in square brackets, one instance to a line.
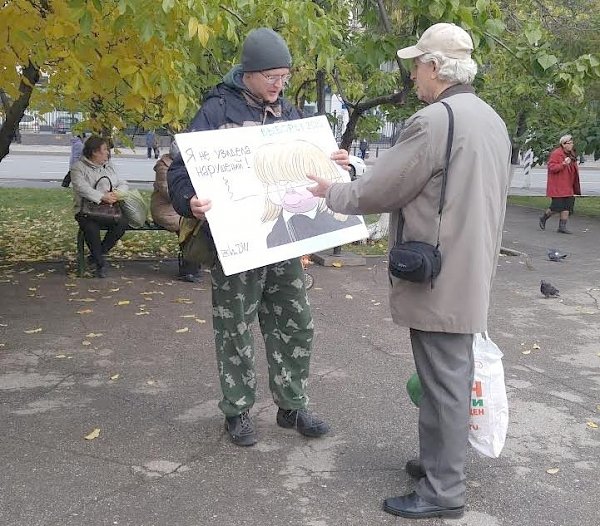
[277, 295]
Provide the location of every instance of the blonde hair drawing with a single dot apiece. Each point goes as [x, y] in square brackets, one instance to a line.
[275, 163]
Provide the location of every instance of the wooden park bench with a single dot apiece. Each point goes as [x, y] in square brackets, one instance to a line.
[81, 263]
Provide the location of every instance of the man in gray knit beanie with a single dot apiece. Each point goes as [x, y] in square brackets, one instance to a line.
[251, 95]
[264, 49]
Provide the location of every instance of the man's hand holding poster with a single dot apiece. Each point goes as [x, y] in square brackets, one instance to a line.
[256, 179]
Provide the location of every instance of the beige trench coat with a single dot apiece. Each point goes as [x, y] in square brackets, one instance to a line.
[161, 209]
[408, 177]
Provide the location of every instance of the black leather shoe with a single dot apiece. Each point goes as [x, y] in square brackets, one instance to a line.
[412, 506]
[241, 429]
[190, 278]
[101, 271]
[307, 423]
[414, 469]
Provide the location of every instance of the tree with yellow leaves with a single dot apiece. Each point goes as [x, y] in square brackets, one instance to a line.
[136, 61]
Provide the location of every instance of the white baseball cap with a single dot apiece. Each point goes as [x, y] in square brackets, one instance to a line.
[448, 39]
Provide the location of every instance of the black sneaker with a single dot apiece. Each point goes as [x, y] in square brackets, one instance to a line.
[307, 423]
[101, 272]
[241, 429]
[414, 469]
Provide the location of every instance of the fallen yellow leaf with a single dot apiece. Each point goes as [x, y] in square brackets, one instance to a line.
[185, 329]
[84, 311]
[142, 313]
[592, 425]
[114, 377]
[526, 352]
[114, 290]
[123, 302]
[94, 434]
[150, 382]
[93, 290]
[70, 284]
[33, 289]
[552, 471]
[86, 342]
[61, 356]
[337, 264]
[536, 346]
[188, 316]
[199, 320]
[186, 301]
[348, 296]
[93, 335]
[33, 331]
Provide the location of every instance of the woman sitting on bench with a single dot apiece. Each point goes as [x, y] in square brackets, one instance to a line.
[85, 175]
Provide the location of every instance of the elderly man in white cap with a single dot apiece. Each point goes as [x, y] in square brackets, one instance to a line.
[442, 313]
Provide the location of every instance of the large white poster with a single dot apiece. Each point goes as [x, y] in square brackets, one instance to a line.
[256, 179]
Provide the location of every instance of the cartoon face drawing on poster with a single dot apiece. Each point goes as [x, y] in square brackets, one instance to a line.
[282, 169]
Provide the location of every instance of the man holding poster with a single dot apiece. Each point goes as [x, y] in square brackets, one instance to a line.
[250, 95]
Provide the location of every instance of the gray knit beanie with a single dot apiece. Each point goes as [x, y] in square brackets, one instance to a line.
[264, 49]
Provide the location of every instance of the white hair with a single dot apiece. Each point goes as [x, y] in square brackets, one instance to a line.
[564, 139]
[462, 71]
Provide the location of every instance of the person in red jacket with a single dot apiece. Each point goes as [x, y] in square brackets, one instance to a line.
[563, 183]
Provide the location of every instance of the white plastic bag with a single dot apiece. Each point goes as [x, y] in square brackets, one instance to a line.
[489, 405]
[134, 207]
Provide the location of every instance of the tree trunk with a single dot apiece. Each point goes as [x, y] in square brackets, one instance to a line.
[521, 127]
[16, 110]
[380, 229]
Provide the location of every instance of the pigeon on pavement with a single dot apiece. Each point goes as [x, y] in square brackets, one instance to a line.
[548, 290]
[555, 255]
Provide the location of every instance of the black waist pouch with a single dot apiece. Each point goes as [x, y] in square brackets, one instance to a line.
[415, 261]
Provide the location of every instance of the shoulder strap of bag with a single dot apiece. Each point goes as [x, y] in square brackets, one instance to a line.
[100, 179]
[444, 178]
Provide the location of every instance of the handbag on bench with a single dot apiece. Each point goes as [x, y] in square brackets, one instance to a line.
[102, 212]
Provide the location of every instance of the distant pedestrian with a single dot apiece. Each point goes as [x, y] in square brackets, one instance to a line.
[152, 145]
[363, 146]
[76, 151]
[562, 183]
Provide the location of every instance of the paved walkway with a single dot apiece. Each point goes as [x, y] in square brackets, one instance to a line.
[133, 356]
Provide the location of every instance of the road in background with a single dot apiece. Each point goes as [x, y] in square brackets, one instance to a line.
[48, 166]
[40, 171]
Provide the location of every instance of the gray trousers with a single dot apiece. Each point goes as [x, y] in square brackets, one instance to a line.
[444, 363]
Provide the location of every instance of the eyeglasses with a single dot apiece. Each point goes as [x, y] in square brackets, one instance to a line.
[272, 79]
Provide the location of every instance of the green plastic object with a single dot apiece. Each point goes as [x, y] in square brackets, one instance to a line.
[415, 391]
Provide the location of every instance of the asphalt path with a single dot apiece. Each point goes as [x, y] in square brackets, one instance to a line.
[39, 171]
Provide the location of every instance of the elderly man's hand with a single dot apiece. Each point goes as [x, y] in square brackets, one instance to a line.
[199, 207]
[322, 186]
[341, 158]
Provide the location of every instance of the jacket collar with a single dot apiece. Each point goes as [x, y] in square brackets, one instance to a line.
[89, 163]
[455, 90]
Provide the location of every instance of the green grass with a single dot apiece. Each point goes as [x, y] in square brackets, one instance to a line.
[38, 225]
[585, 206]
